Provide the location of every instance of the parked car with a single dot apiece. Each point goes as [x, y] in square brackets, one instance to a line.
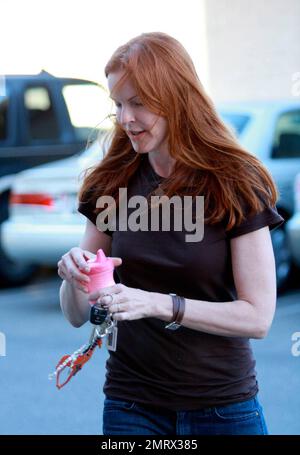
[44, 222]
[43, 118]
[271, 131]
[43, 204]
[293, 225]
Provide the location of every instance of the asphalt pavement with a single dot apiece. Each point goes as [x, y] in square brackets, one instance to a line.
[37, 335]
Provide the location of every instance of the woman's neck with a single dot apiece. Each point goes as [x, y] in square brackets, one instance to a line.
[162, 164]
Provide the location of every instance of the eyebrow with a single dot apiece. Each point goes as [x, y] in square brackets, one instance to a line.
[129, 99]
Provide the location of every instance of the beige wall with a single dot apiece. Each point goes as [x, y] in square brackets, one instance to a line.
[253, 48]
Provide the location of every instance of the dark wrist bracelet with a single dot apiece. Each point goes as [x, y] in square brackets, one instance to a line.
[178, 312]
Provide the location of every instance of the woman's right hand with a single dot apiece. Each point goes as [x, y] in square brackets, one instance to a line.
[73, 267]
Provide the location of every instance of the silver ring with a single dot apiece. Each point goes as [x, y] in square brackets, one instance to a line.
[99, 300]
[111, 296]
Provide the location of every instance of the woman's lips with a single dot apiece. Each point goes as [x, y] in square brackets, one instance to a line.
[135, 135]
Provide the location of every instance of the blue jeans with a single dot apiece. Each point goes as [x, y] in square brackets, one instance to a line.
[122, 417]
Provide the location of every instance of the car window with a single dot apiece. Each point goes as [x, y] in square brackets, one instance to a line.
[3, 117]
[89, 106]
[235, 121]
[43, 124]
[2, 86]
[286, 142]
[3, 109]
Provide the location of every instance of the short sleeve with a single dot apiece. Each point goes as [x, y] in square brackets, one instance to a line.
[267, 217]
[87, 209]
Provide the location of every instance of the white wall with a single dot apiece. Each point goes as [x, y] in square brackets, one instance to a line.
[253, 48]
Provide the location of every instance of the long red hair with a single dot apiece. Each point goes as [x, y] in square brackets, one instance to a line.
[209, 159]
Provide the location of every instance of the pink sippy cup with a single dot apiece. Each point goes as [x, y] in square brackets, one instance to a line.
[101, 272]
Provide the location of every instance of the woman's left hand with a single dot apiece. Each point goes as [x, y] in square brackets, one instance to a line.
[125, 303]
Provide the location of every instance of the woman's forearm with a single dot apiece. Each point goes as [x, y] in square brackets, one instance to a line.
[238, 318]
[74, 304]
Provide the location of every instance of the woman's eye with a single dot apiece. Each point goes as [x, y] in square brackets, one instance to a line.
[137, 103]
[133, 103]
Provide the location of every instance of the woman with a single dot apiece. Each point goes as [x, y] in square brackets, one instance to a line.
[168, 139]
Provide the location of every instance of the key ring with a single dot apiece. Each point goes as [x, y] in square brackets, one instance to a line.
[74, 362]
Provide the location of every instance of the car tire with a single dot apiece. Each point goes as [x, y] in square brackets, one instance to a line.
[283, 258]
[15, 273]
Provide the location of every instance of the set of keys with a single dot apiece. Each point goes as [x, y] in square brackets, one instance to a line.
[103, 326]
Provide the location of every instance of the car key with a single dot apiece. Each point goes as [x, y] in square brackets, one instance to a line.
[97, 319]
[104, 325]
[97, 315]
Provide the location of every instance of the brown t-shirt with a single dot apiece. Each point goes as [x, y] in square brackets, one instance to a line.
[183, 369]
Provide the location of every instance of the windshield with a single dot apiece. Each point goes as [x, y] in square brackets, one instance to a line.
[88, 105]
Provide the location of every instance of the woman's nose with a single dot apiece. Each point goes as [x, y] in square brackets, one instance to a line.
[126, 115]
